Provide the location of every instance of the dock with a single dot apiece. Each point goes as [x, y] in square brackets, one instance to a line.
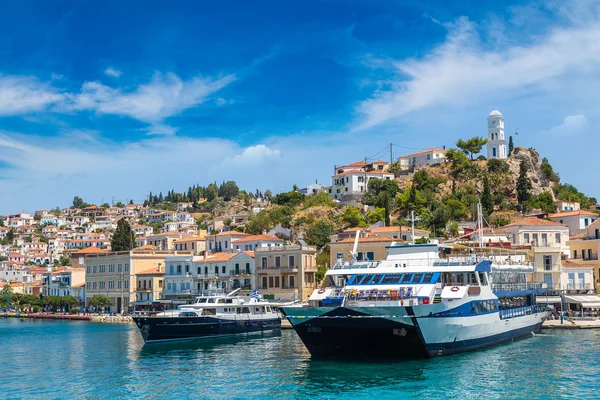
[48, 316]
[572, 324]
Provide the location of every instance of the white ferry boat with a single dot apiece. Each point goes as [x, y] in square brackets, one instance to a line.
[421, 301]
[208, 317]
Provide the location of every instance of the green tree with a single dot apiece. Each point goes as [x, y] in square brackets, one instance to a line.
[458, 211]
[487, 201]
[318, 199]
[78, 202]
[121, 205]
[497, 166]
[378, 214]
[10, 236]
[523, 186]
[353, 217]
[382, 193]
[394, 167]
[228, 190]
[549, 171]
[258, 223]
[544, 202]
[511, 146]
[471, 146]
[268, 195]
[212, 192]
[124, 238]
[7, 289]
[460, 162]
[318, 234]
[291, 199]
[100, 300]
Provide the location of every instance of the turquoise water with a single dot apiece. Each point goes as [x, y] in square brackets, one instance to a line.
[64, 360]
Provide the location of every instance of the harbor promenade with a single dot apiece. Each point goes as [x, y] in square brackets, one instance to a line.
[572, 324]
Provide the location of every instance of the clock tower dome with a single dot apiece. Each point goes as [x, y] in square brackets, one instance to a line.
[496, 145]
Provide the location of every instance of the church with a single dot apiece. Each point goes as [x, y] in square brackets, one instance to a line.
[496, 144]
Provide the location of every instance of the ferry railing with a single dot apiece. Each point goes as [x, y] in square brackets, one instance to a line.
[515, 287]
[515, 312]
[455, 261]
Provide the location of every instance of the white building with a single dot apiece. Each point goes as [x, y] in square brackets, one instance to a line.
[563, 205]
[496, 145]
[249, 243]
[577, 221]
[422, 158]
[348, 185]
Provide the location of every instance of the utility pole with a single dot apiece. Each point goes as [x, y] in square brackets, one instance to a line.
[412, 220]
[391, 154]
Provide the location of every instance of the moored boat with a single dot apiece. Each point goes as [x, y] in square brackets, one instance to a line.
[421, 301]
[209, 317]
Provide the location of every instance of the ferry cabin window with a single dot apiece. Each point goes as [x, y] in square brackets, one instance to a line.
[202, 300]
[366, 279]
[417, 278]
[391, 278]
[482, 279]
[375, 280]
[353, 279]
[407, 278]
[209, 311]
[428, 277]
[229, 301]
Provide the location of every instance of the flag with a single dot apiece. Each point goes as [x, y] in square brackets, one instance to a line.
[517, 131]
[254, 295]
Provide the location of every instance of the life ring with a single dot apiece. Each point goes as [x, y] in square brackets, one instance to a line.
[321, 291]
[454, 288]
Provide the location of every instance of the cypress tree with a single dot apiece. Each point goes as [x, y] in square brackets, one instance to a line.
[511, 146]
[523, 186]
[123, 239]
[487, 201]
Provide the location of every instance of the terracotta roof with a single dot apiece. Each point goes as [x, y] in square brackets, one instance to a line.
[405, 229]
[436, 150]
[581, 235]
[353, 229]
[191, 239]
[151, 271]
[571, 214]
[572, 264]
[359, 171]
[146, 247]
[533, 221]
[249, 253]
[232, 233]
[218, 257]
[91, 250]
[354, 164]
[372, 239]
[253, 238]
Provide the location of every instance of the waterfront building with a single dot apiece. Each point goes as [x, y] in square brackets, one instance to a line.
[548, 243]
[223, 241]
[584, 249]
[563, 205]
[576, 220]
[250, 243]
[422, 158]
[62, 281]
[150, 285]
[193, 244]
[371, 248]
[577, 277]
[287, 272]
[496, 144]
[114, 274]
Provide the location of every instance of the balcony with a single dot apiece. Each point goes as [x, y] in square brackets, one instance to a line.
[289, 270]
[579, 286]
[587, 257]
[241, 273]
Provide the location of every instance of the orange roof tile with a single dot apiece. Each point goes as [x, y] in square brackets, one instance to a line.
[358, 171]
[572, 264]
[371, 239]
[253, 238]
[571, 214]
[425, 151]
[146, 247]
[232, 233]
[91, 250]
[151, 271]
[533, 221]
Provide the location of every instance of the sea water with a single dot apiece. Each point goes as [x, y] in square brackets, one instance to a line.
[84, 360]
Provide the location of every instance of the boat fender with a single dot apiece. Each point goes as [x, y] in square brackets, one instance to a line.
[321, 291]
[454, 288]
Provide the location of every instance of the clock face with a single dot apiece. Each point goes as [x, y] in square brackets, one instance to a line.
[494, 122]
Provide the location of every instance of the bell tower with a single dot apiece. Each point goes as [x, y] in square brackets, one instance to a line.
[496, 145]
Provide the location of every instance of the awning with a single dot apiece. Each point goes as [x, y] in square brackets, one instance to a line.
[586, 301]
[320, 294]
[548, 300]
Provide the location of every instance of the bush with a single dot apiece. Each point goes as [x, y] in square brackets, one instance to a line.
[36, 309]
[497, 166]
[73, 311]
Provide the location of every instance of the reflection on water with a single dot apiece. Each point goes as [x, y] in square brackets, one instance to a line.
[111, 361]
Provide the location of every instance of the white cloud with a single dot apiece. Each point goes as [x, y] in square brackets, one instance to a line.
[115, 73]
[166, 95]
[24, 94]
[161, 129]
[465, 70]
[572, 125]
[255, 154]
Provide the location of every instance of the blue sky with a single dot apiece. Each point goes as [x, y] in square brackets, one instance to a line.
[115, 99]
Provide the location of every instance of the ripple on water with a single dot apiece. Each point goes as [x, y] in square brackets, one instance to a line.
[58, 359]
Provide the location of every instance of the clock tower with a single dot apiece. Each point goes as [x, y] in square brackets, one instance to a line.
[496, 145]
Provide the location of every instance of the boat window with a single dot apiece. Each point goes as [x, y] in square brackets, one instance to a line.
[229, 301]
[391, 278]
[428, 277]
[366, 279]
[407, 278]
[482, 279]
[202, 300]
[352, 279]
[417, 278]
[375, 279]
[221, 301]
[210, 300]
[269, 309]
[245, 310]
[209, 311]
[188, 314]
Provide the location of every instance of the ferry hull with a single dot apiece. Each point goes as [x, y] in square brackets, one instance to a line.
[163, 329]
[350, 333]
